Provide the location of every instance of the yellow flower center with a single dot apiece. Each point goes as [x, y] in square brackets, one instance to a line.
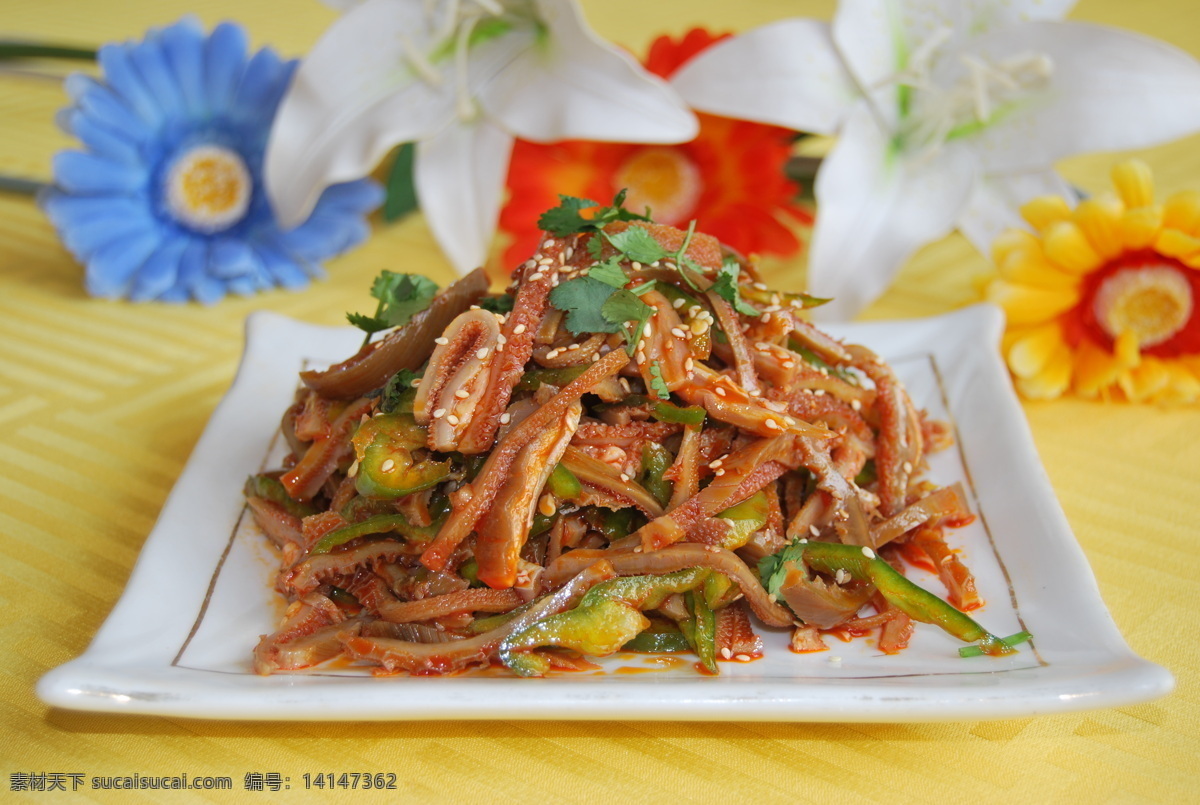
[1152, 303]
[209, 188]
[662, 179]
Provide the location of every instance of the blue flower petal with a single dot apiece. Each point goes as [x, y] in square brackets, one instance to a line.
[262, 85]
[194, 276]
[98, 137]
[160, 271]
[151, 64]
[229, 258]
[183, 43]
[122, 77]
[89, 222]
[354, 198]
[224, 61]
[323, 235]
[111, 268]
[281, 269]
[83, 172]
[98, 101]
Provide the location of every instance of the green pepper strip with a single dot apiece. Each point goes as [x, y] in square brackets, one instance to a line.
[704, 634]
[656, 460]
[534, 378]
[563, 483]
[744, 519]
[384, 446]
[269, 488]
[379, 524]
[607, 617]
[917, 603]
[661, 637]
[693, 415]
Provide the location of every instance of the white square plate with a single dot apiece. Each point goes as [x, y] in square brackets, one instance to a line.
[179, 641]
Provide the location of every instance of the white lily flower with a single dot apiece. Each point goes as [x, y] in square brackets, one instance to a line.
[949, 113]
[461, 78]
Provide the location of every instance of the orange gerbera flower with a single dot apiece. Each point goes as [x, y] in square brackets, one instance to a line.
[1103, 299]
[730, 178]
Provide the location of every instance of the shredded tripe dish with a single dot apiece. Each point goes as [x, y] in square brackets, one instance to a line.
[637, 447]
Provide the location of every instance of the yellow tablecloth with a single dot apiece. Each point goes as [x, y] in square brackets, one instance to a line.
[101, 403]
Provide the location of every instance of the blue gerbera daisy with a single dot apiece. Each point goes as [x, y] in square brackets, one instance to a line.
[166, 201]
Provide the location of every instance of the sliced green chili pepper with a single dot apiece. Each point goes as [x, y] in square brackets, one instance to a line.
[744, 519]
[379, 524]
[534, 378]
[704, 632]
[656, 460]
[563, 483]
[613, 523]
[917, 603]
[693, 415]
[270, 488]
[606, 618]
[867, 474]
[660, 637]
[470, 571]
[384, 446]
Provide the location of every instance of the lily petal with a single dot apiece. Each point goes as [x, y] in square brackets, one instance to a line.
[460, 181]
[787, 73]
[1109, 90]
[352, 99]
[877, 206]
[996, 201]
[571, 85]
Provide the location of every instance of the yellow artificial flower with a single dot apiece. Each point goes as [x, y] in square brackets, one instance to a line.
[1102, 299]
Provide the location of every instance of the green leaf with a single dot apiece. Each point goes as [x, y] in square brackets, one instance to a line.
[401, 296]
[624, 306]
[399, 392]
[637, 244]
[497, 304]
[657, 384]
[770, 568]
[401, 198]
[566, 218]
[609, 272]
[582, 299]
[726, 287]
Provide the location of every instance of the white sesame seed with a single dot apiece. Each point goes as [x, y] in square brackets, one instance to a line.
[678, 332]
[482, 353]
[547, 505]
[772, 598]
[819, 393]
[726, 653]
[791, 423]
[473, 307]
[624, 477]
[415, 383]
[572, 347]
[462, 394]
[554, 353]
[439, 413]
[387, 466]
[501, 340]
[535, 276]
[715, 463]
[867, 552]
[841, 577]
[549, 244]
[812, 529]
[545, 261]
[646, 331]
[856, 405]
[452, 419]
[719, 473]
[788, 364]
[678, 303]
[766, 318]
[441, 340]
[570, 252]
[720, 392]
[908, 467]
[636, 265]
[759, 286]
[836, 662]
[742, 657]
[505, 418]
[772, 424]
[520, 328]
[595, 357]
[804, 541]
[688, 365]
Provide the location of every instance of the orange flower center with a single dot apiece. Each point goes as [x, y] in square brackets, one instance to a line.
[664, 180]
[1153, 303]
[209, 188]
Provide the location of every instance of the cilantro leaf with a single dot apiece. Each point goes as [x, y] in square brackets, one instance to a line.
[582, 299]
[770, 568]
[497, 304]
[622, 307]
[401, 296]
[567, 218]
[657, 384]
[637, 244]
[609, 272]
[399, 393]
[726, 287]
